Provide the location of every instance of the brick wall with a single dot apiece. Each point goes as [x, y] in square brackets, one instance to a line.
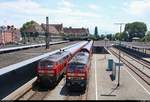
[9, 35]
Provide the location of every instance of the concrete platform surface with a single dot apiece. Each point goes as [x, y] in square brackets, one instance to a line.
[106, 89]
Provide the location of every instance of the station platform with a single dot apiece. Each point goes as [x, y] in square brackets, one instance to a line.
[148, 59]
[101, 87]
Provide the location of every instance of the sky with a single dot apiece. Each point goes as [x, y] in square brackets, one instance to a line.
[76, 13]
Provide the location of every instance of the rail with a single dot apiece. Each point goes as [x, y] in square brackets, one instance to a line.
[131, 66]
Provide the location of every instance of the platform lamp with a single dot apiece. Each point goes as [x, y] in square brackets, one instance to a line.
[121, 24]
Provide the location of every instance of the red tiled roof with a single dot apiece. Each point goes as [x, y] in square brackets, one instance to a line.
[35, 28]
[52, 29]
[59, 27]
[75, 30]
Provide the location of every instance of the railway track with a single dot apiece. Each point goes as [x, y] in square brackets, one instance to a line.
[30, 94]
[34, 95]
[37, 93]
[78, 95]
[142, 62]
[33, 92]
[41, 95]
[146, 62]
[134, 68]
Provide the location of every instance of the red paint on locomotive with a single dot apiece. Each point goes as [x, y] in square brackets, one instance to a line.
[78, 68]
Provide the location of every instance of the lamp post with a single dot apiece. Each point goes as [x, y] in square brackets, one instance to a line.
[127, 35]
[119, 53]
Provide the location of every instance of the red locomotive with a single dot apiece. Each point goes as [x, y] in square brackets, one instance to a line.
[51, 68]
[88, 48]
[78, 68]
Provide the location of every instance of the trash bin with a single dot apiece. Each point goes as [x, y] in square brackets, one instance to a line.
[110, 65]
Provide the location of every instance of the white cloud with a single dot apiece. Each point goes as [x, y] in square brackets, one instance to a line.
[65, 7]
[66, 3]
[65, 12]
[93, 7]
[24, 7]
[139, 7]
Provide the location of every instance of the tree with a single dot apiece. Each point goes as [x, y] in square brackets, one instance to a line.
[113, 37]
[146, 38]
[26, 26]
[135, 29]
[96, 33]
[102, 37]
[119, 36]
[109, 36]
[125, 36]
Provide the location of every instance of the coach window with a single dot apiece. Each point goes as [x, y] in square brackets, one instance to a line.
[64, 58]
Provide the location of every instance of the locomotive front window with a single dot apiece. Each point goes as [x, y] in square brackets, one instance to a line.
[46, 64]
[76, 66]
[49, 65]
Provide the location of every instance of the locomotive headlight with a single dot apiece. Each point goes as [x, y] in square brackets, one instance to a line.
[40, 71]
[81, 74]
[82, 78]
[69, 77]
[50, 74]
[51, 71]
[70, 74]
[40, 74]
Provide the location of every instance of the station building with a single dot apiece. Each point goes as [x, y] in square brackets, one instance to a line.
[9, 34]
[80, 32]
[56, 31]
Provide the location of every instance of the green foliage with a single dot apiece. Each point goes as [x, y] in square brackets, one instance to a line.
[26, 35]
[125, 36]
[27, 25]
[102, 37]
[74, 38]
[146, 38]
[96, 33]
[113, 37]
[109, 36]
[119, 36]
[93, 37]
[135, 29]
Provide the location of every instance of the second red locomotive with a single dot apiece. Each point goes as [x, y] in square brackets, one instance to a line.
[78, 68]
